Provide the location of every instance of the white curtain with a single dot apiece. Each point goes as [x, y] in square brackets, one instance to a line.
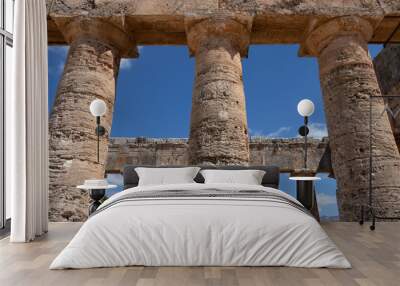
[27, 124]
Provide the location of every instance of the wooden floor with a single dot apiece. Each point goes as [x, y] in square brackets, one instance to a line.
[375, 257]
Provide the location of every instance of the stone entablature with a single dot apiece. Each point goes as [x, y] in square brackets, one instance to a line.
[158, 22]
[285, 153]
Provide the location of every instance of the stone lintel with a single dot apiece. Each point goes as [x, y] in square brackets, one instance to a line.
[235, 28]
[285, 153]
[320, 35]
[100, 30]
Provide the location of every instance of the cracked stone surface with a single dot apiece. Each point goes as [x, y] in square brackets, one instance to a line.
[348, 79]
[157, 22]
[218, 123]
[90, 72]
[387, 64]
[101, 32]
[285, 153]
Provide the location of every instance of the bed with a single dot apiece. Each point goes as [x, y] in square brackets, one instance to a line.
[198, 224]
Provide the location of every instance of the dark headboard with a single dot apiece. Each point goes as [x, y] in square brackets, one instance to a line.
[270, 179]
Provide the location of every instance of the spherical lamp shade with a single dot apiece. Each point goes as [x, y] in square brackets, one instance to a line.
[98, 107]
[305, 107]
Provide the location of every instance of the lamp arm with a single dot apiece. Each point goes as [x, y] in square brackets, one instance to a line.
[98, 138]
[305, 141]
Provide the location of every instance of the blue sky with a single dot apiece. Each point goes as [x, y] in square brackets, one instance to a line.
[154, 93]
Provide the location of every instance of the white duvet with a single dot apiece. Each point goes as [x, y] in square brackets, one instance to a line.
[200, 231]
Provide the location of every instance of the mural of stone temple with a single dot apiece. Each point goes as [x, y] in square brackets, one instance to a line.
[218, 35]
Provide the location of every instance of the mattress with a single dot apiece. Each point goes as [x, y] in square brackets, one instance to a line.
[201, 225]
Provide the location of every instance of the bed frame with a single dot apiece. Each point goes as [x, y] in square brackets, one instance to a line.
[270, 179]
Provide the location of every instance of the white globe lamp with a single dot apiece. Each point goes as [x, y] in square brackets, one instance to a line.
[98, 108]
[305, 107]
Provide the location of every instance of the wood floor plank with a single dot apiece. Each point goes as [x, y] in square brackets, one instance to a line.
[375, 257]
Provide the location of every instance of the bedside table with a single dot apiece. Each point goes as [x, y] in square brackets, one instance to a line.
[97, 190]
[305, 193]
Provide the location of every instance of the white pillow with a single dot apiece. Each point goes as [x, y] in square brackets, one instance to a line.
[164, 176]
[248, 177]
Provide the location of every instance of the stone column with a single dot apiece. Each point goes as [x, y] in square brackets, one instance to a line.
[218, 126]
[348, 80]
[387, 70]
[90, 72]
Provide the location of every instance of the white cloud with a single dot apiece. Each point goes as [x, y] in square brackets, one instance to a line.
[325, 199]
[115, 179]
[126, 64]
[318, 130]
[280, 132]
[256, 133]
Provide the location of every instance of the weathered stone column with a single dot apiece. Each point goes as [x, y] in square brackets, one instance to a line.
[348, 80]
[218, 127]
[90, 72]
[387, 70]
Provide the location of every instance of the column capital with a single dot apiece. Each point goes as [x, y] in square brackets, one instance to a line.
[321, 35]
[216, 28]
[100, 30]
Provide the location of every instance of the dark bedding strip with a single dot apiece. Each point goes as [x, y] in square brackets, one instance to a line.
[209, 193]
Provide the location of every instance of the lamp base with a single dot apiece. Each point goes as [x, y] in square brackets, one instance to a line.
[305, 189]
[96, 195]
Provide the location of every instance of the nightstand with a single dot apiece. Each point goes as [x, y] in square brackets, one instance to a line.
[97, 190]
[305, 193]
